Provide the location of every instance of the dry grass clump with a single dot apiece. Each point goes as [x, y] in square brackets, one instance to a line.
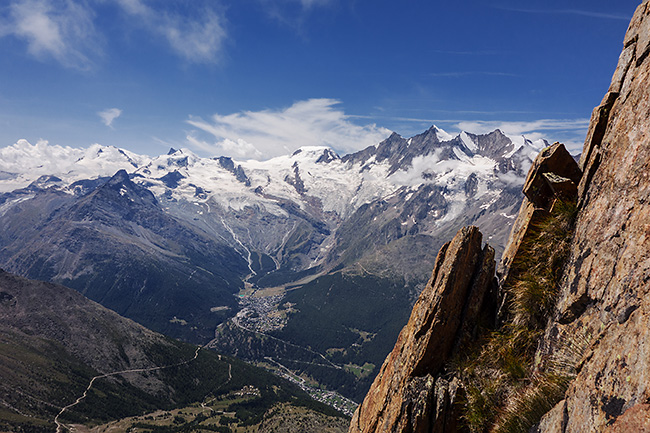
[527, 406]
[504, 390]
[537, 269]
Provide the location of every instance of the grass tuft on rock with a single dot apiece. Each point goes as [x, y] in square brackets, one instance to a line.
[506, 391]
[537, 269]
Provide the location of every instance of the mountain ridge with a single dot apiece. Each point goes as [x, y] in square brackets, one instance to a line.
[184, 244]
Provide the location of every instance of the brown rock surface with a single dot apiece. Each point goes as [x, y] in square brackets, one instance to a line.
[636, 419]
[554, 175]
[605, 295]
[407, 396]
[552, 170]
[528, 213]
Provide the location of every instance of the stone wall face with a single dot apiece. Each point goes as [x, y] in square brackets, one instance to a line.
[605, 293]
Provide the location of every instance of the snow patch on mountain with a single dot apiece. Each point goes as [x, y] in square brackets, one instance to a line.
[201, 180]
[468, 142]
[433, 168]
[531, 148]
[339, 187]
[443, 135]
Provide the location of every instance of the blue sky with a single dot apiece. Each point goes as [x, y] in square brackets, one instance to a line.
[258, 78]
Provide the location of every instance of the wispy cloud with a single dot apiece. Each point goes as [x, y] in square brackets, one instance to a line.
[480, 126]
[58, 29]
[268, 133]
[64, 29]
[197, 38]
[584, 13]
[109, 115]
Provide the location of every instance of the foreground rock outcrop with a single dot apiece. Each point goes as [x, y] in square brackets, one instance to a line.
[574, 314]
[552, 180]
[419, 389]
[605, 295]
[408, 394]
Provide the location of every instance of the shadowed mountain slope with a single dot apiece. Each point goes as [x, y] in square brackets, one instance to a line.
[54, 341]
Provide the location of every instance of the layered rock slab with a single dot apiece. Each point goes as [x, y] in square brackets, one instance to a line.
[553, 176]
[408, 395]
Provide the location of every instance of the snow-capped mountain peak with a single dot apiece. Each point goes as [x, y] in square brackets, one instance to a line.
[386, 207]
[314, 178]
[310, 173]
[22, 163]
[442, 134]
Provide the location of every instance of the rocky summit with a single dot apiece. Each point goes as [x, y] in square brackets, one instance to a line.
[567, 349]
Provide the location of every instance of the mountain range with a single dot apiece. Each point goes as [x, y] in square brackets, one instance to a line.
[324, 253]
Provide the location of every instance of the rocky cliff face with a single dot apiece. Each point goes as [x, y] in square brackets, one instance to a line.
[570, 351]
[605, 288]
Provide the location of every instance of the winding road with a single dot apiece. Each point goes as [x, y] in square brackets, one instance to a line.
[205, 404]
[60, 426]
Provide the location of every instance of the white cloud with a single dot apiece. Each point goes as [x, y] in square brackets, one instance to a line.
[194, 40]
[198, 39]
[134, 7]
[60, 29]
[268, 133]
[238, 148]
[109, 115]
[64, 29]
[482, 127]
